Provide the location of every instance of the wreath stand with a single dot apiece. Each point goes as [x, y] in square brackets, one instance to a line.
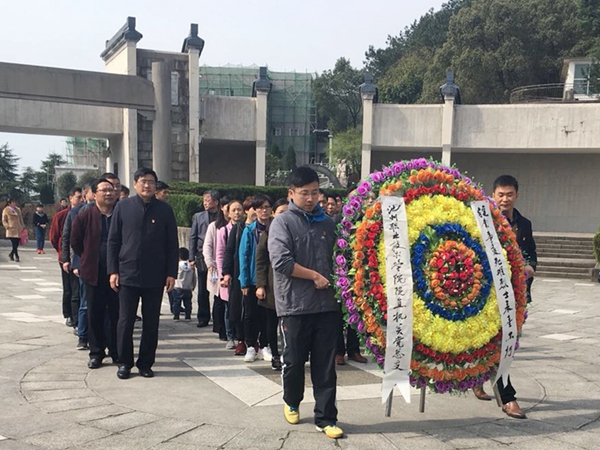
[388, 403]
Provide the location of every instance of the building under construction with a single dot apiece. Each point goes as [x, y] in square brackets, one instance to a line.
[291, 117]
[87, 152]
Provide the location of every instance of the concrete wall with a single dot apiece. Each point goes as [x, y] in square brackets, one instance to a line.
[558, 192]
[60, 119]
[528, 128]
[227, 162]
[228, 118]
[407, 126]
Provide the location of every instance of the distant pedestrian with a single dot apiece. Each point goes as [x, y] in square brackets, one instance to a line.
[40, 223]
[12, 221]
[184, 286]
[162, 191]
[124, 192]
[142, 261]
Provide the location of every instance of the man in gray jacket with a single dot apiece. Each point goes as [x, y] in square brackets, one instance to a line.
[301, 252]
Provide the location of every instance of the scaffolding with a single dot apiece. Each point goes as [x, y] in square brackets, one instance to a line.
[87, 152]
[291, 116]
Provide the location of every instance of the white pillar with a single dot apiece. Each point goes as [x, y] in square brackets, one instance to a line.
[367, 134]
[194, 114]
[161, 128]
[447, 129]
[261, 136]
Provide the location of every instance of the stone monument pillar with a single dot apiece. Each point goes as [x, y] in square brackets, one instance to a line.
[161, 128]
[451, 95]
[261, 89]
[368, 92]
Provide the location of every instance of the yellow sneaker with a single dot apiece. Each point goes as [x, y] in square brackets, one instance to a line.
[331, 431]
[291, 414]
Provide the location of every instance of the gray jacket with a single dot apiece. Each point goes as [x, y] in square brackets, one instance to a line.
[186, 277]
[306, 239]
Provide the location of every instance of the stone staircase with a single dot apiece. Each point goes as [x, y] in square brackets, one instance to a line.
[564, 255]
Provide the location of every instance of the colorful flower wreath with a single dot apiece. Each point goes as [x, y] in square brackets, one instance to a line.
[457, 328]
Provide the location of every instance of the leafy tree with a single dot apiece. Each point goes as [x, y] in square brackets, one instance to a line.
[339, 104]
[27, 183]
[347, 145]
[65, 183]
[47, 168]
[403, 82]
[46, 191]
[88, 177]
[289, 159]
[8, 173]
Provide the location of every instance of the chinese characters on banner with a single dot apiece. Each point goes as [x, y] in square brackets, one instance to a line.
[502, 285]
[399, 289]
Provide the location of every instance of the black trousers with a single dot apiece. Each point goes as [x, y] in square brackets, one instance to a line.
[507, 393]
[101, 299]
[66, 298]
[219, 317]
[15, 247]
[203, 298]
[351, 344]
[129, 298]
[271, 322]
[254, 320]
[313, 334]
[75, 296]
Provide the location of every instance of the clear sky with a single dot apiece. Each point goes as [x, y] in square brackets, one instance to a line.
[286, 35]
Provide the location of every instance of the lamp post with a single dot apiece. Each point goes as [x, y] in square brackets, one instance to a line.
[321, 132]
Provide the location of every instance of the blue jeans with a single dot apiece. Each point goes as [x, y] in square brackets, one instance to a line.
[181, 295]
[82, 321]
[40, 234]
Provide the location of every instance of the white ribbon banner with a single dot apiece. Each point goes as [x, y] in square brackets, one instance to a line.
[399, 287]
[502, 286]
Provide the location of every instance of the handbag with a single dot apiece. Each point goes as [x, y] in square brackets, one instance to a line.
[24, 237]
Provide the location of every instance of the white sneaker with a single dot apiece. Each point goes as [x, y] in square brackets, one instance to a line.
[250, 355]
[266, 354]
[230, 344]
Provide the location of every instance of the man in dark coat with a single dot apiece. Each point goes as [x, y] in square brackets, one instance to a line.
[89, 240]
[202, 219]
[142, 260]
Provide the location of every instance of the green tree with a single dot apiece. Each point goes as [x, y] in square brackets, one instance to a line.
[273, 162]
[8, 173]
[289, 159]
[65, 183]
[403, 82]
[28, 184]
[347, 146]
[46, 191]
[339, 104]
[88, 177]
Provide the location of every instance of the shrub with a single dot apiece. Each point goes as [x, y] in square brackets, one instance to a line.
[235, 190]
[185, 206]
[597, 246]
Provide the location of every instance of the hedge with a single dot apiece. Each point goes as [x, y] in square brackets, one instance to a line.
[186, 197]
[597, 246]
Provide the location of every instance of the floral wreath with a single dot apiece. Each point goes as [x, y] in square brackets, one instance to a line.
[457, 330]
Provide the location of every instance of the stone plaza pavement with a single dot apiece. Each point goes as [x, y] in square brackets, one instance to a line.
[204, 398]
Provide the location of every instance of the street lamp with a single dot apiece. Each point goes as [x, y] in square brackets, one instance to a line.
[321, 132]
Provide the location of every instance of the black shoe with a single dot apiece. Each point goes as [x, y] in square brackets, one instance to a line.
[17, 259]
[123, 372]
[10, 255]
[146, 372]
[202, 324]
[95, 363]
[69, 322]
[75, 332]
[138, 318]
[276, 364]
[82, 344]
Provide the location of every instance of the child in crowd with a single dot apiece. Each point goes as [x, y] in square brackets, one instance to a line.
[40, 222]
[184, 286]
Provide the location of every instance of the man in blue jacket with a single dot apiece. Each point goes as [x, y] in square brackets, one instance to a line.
[142, 260]
[301, 252]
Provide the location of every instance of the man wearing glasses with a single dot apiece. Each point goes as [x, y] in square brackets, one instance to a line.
[142, 260]
[89, 240]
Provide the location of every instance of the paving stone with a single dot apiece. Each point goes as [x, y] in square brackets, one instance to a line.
[180, 446]
[71, 404]
[209, 435]
[45, 376]
[416, 443]
[58, 394]
[120, 442]
[308, 440]
[87, 414]
[257, 439]
[163, 429]
[364, 441]
[124, 421]
[69, 436]
[582, 439]
[52, 385]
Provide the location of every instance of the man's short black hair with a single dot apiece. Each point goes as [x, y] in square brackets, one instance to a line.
[333, 196]
[260, 199]
[65, 199]
[301, 176]
[109, 176]
[39, 205]
[75, 190]
[280, 202]
[101, 180]
[161, 186]
[143, 171]
[213, 194]
[125, 189]
[506, 180]
[184, 254]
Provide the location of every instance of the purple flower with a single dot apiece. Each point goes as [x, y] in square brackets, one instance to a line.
[343, 282]
[353, 318]
[342, 243]
[362, 191]
[388, 172]
[348, 211]
[346, 224]
[361, 327]
[346, 295]
[380, 360]
[398, 168]
[410, 165]
[351, 309]
[340, 271]
[355, 202]
[463, 385]
[340, 260]
[377, 177]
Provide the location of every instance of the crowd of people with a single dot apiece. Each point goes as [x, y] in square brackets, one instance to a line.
[262, 270]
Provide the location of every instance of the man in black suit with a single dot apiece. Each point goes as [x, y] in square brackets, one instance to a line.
[202, 219]
[142, 260]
